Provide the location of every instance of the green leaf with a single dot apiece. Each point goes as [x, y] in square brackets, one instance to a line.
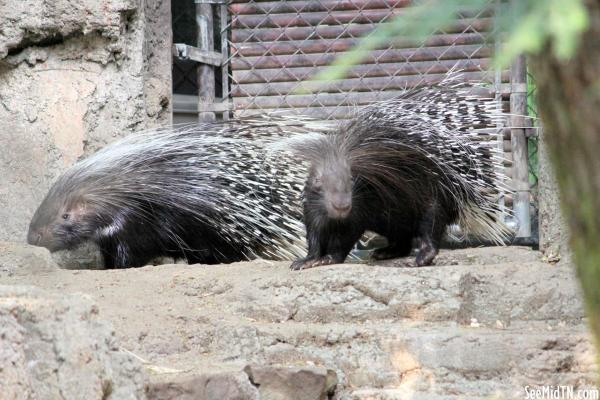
[525, 26]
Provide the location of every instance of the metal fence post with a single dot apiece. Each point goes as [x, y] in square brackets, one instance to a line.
[518, 138]
[206, 73]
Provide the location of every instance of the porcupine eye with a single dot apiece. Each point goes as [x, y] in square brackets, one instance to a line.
[317, 183]
[65, 216]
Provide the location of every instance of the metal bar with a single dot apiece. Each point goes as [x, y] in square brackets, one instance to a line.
[220, 107]
[362, 71]
[318, 45]
[297, 6]
[188, 104]
[498, 97]
[317, 99]
[322, 18]
[206, 73]
[185, 104]
[225, 54]
[374, 57]
[187, 52]
[322, 112]
[210, 1]
[520, 168]
[338, 30]
[342, 85]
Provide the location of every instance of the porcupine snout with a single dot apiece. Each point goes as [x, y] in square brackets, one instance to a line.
[41, 236]
[340, 205]
[334, 181]
[337, 194]
[34, 237]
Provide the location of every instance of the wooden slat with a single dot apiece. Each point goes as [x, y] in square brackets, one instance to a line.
[360, 71]
[374, 57]
[340, 45]
[346, 85]
[280, 7]
[342, 31]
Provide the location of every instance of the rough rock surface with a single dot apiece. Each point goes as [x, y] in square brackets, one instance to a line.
[292, 383]
[74, 75]
[482, 323]
[55, 347]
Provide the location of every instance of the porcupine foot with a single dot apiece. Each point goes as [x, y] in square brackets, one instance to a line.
[304, 263]
[426, 254]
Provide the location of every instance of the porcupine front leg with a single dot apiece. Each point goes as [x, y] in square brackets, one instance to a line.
[117, 254]
[315, 249]
[326, 247]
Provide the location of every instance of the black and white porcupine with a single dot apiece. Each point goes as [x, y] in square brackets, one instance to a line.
[405, 168]
[206, 193]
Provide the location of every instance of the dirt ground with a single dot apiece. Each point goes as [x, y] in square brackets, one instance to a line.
[481, 322]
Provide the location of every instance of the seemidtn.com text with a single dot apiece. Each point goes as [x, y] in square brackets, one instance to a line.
[560, 392]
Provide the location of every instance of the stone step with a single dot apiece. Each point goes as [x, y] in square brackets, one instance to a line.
[482, 323]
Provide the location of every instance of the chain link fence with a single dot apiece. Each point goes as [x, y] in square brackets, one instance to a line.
[277, 46]
[269, 51]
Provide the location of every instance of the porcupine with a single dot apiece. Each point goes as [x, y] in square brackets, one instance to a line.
[405, 168]
[206, 193]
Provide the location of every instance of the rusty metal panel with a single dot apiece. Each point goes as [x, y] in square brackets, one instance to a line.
[276, 47]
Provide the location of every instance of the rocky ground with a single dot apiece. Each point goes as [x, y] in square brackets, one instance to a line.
[482, 323]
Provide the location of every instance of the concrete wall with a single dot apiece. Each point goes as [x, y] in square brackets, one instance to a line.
[74, 75]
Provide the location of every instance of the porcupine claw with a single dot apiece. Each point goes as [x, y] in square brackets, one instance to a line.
[303, 263]
[426, 254]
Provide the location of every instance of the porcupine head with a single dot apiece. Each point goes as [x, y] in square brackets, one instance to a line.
[67, 217]
[330, 182]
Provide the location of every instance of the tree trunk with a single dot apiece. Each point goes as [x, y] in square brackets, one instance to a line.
[569, 104]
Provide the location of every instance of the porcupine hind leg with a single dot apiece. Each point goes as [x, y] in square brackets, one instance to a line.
[399, 229]
[326, 247]
[399, 248]
[431, 231]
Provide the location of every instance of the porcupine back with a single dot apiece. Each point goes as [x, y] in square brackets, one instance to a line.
[431, 141]
[215, 177]
[453, 124]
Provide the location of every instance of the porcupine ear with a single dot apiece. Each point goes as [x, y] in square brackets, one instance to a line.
[77, 206]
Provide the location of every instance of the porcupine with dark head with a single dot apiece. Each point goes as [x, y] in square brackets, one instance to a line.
[206, 193]
[405, 168]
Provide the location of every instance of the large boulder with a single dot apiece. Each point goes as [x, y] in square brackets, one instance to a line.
[56, 347]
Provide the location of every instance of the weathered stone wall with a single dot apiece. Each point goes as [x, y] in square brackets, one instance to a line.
[74, 75]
